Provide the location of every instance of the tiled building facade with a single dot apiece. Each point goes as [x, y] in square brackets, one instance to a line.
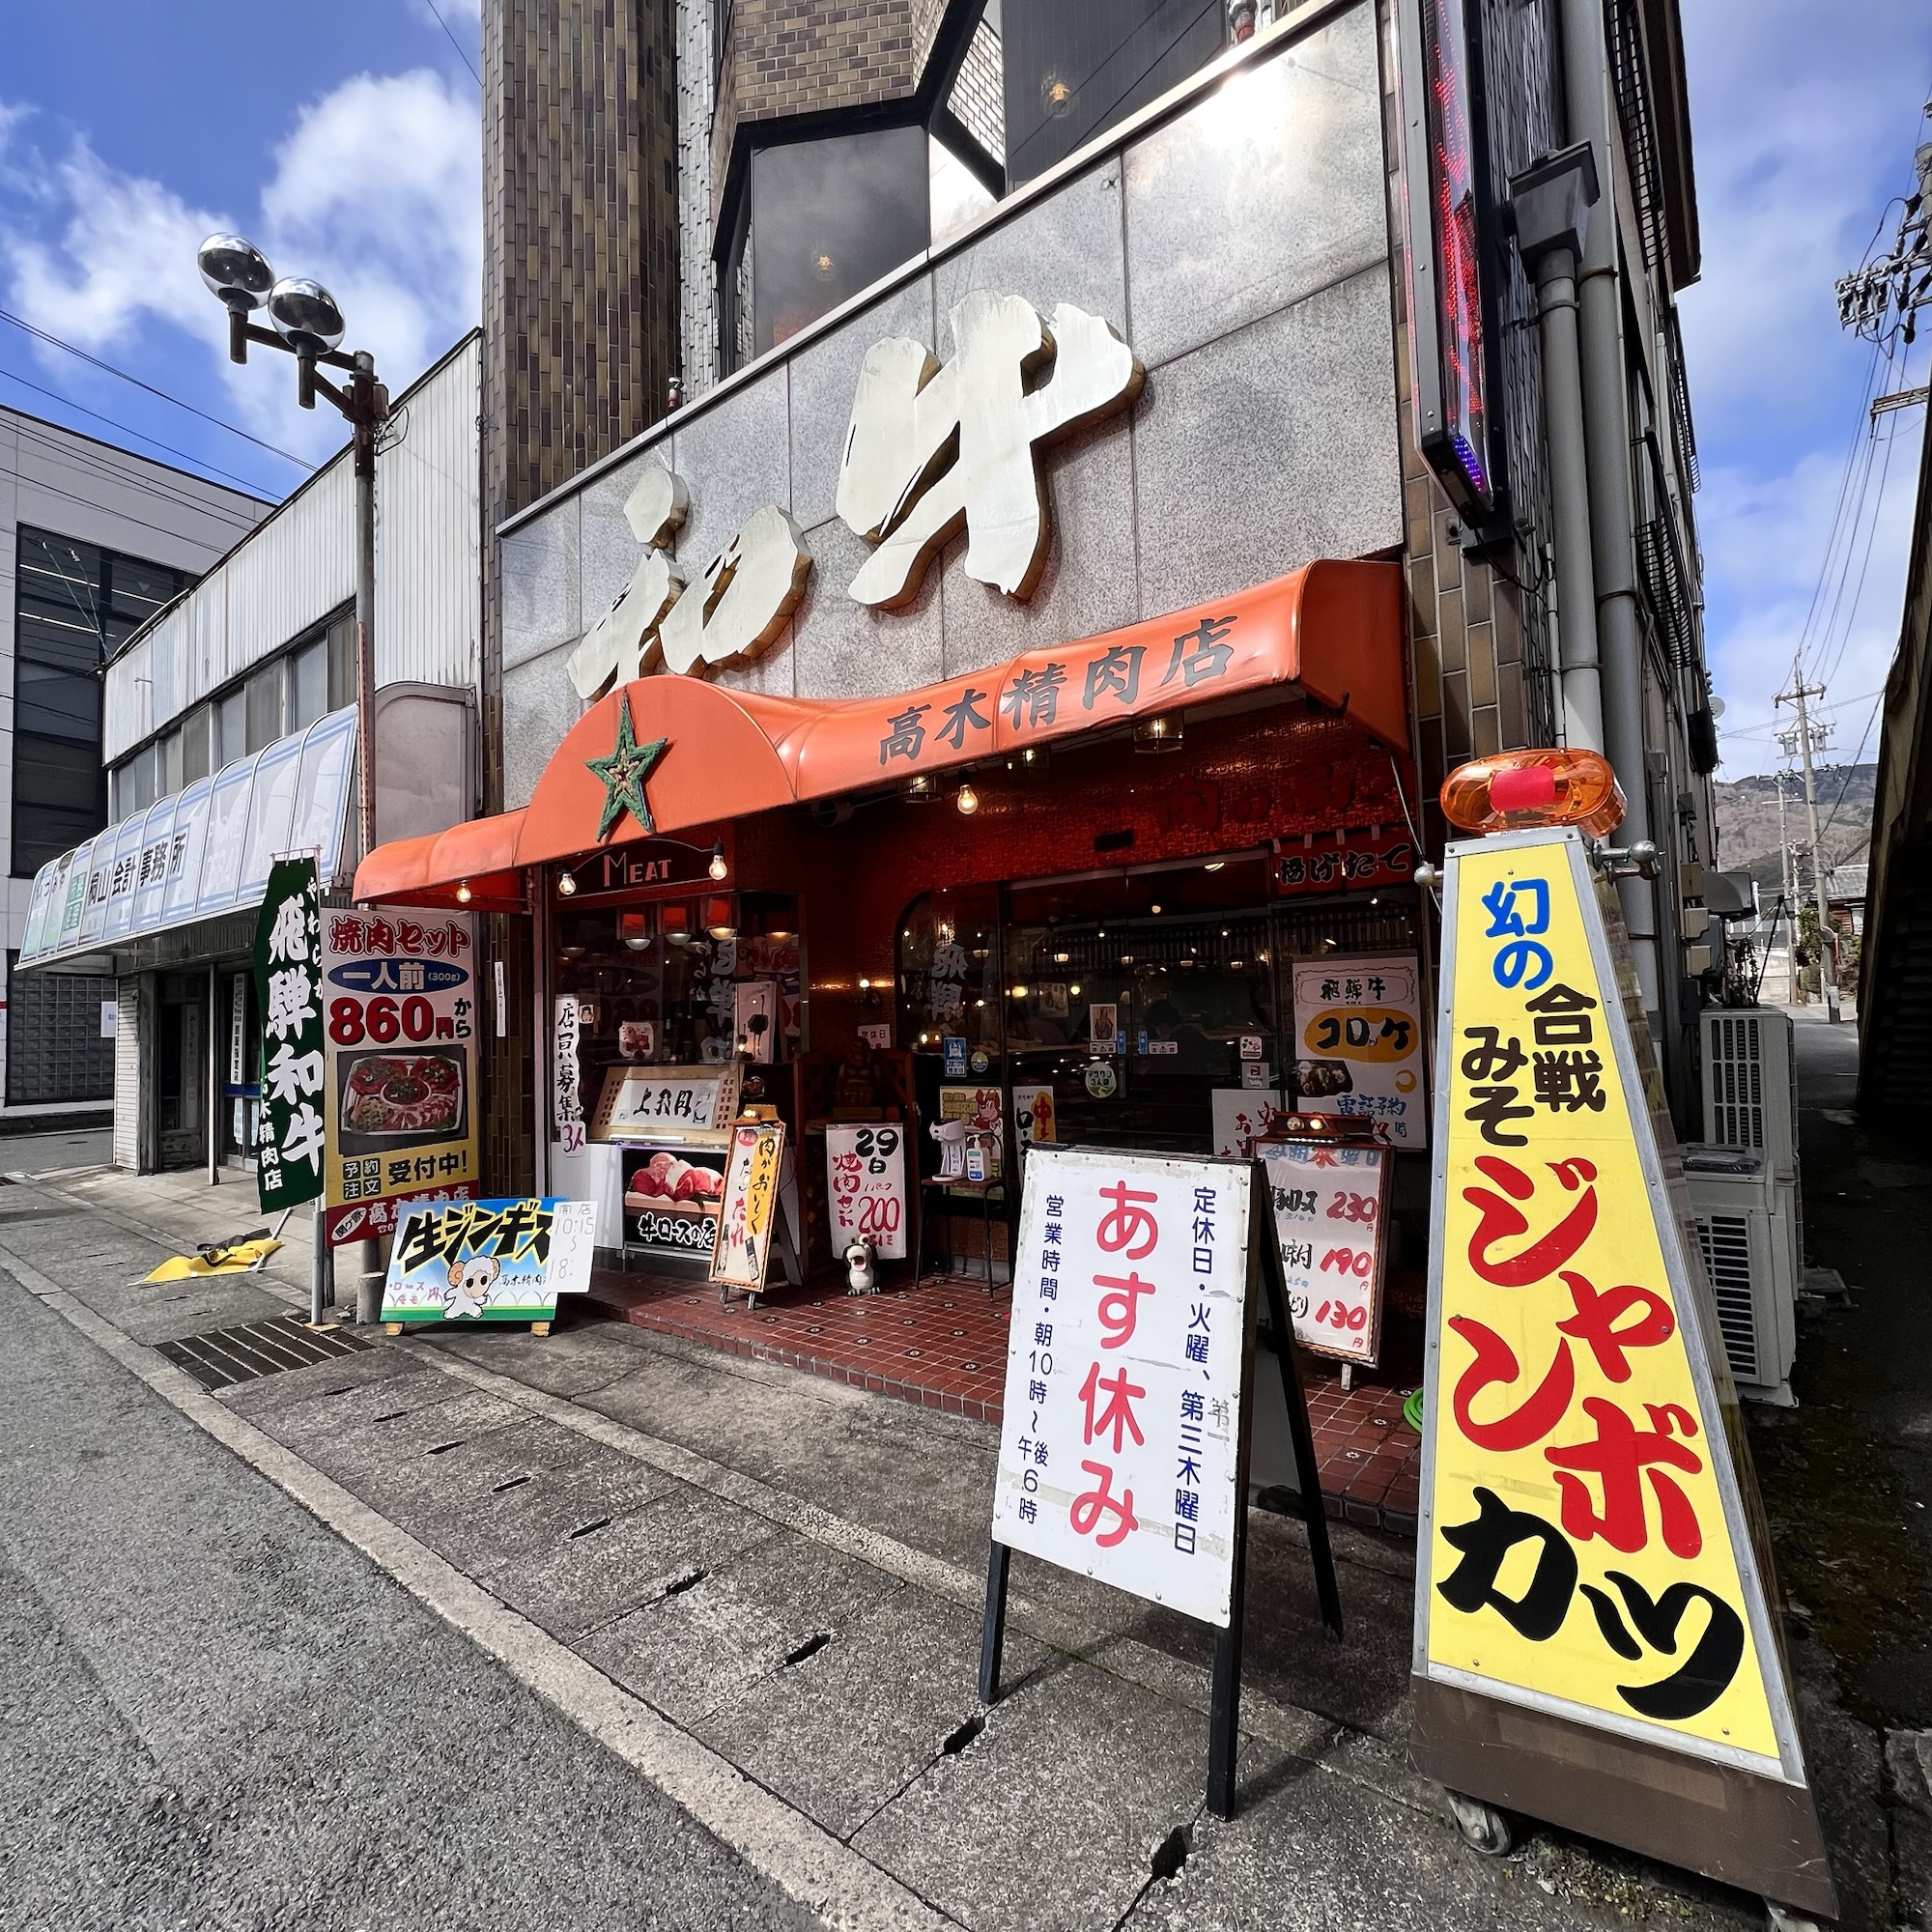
[620, 257]
[581, 301]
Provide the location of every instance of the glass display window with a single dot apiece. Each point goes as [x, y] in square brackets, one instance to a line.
[948, 973]
[680, 984]
[1134, 1008]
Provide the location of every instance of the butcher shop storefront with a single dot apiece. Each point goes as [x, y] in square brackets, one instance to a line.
[985, 719]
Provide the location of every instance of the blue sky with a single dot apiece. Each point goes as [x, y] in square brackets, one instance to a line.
[129, 130]
[1803, 120]
[118, 154]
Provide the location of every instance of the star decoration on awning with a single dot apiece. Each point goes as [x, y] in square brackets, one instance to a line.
[624, 771]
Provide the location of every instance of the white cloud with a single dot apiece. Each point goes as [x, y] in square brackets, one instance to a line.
[1767, 537]
[125, 250]
[375, 192]
[1804, 124]
[378, 193]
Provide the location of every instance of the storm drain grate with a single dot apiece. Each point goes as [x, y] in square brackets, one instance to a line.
[225, 1356]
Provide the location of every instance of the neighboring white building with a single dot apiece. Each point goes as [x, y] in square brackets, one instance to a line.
[94, 540]
[228, 739]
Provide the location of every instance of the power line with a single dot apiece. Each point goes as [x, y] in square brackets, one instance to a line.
[121, 516]
[150, 486]
[460, 54]
[1871, 537]
[140, 436]
[1852, 769]
[44, 335]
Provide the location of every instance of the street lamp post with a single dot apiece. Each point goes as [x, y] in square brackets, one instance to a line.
[310, 327]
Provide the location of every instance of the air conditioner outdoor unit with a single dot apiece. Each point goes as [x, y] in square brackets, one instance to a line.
[1745, 1221]
[1750, 1093]
[1750, 1090]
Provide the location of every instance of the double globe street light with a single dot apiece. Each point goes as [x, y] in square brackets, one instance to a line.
[308, 326]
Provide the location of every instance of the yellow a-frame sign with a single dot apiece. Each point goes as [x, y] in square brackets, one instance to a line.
[1595, 1639]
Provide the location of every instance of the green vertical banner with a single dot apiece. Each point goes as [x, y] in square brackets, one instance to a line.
[288, 987]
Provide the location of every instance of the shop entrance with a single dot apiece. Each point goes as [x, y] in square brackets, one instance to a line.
[238, 1040]
[181, 1071]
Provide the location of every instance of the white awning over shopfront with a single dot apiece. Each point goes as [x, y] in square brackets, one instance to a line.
[202, 853]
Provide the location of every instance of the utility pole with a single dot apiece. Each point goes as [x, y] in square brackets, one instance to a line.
[1787, 900]
[1828, 961]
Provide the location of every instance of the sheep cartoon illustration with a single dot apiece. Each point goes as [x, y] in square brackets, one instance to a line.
[470, 1285]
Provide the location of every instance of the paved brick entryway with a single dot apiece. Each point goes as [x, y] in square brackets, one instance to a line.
[944, 1345]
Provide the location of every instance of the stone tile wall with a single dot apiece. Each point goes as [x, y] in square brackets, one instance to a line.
[1268, 432]
[581, 333]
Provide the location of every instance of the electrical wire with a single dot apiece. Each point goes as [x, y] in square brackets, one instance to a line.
[1859, 437]
[139, 435]
[96, 462]
[1851, 770]
[456, 44]
[1871, 536]
[119, 516]
[94, 361]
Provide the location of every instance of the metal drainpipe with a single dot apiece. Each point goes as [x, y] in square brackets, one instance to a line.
[1570, 500]
[1607, 439]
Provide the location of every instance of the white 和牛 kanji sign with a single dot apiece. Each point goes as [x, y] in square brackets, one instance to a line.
[1120, 1454]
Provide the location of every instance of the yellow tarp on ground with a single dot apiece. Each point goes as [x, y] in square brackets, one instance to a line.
[243, 1258]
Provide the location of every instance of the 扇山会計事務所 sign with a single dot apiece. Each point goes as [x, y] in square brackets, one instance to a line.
[1587, 1557]
[1125, 1445]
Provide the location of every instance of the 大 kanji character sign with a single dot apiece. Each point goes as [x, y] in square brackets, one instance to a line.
[1120, 1445]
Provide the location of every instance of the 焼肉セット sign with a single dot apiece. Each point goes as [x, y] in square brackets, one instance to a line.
[399, 1000]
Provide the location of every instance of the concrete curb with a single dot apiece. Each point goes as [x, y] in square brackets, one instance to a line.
[807, 1862]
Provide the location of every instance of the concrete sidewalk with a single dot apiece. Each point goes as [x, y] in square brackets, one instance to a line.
[785, 1575]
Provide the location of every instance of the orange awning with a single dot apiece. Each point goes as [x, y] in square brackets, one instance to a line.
[480, 854]
[1331, 630]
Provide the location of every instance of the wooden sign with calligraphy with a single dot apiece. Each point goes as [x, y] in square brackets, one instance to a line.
[1593, 1606]
[1130, 1397]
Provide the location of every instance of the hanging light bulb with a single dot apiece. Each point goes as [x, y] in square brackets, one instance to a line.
[463, 892]
[968, 800]
[566, 886]
[718, 866]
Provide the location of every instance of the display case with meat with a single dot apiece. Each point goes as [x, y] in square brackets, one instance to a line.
[665, 1182]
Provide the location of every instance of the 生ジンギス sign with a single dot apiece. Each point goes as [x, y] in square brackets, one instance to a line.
[488, 1261]
[1593, 1614]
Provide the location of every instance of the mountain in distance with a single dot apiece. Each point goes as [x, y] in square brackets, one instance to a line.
[1748, 840]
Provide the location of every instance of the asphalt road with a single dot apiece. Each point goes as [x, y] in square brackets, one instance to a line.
[216, 1714]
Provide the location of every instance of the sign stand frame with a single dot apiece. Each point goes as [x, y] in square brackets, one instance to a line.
[1224, 1704]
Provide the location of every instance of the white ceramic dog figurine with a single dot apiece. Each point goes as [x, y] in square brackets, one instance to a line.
[862, 1273]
